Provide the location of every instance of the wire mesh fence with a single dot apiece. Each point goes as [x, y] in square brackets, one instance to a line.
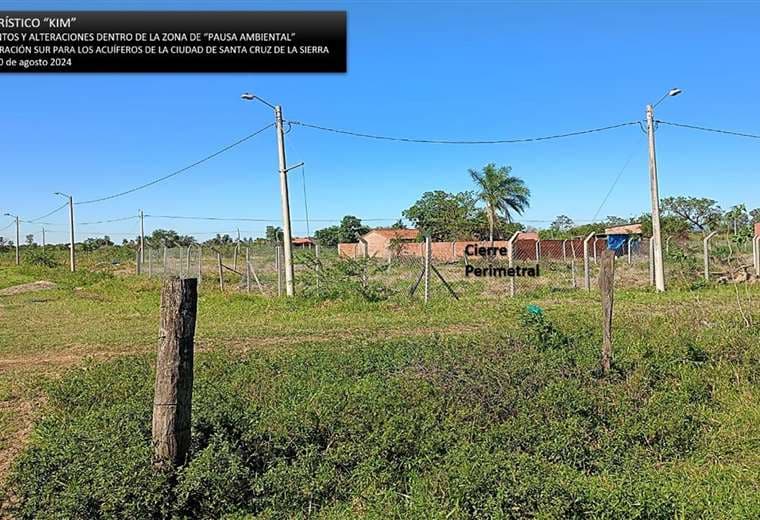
[455, 269]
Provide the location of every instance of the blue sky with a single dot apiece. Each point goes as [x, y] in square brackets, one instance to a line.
[421, 69]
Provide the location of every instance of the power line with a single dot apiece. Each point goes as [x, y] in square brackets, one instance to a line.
[453, 141]
[56, 210]
[705, 129]
[247, 219]
[122, 219]
[614, 183]
[177, 172]
[9, 225]
[305, 203]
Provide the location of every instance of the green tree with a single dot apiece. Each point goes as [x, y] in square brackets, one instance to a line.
[754, 215]
[274, 234]
[445, 216]
[702, 213]
[29, 239]
[562, 223]
[350, 227]
[669, 225]
[399, 224]
[501, 192]
[329, 236]
[736, 218]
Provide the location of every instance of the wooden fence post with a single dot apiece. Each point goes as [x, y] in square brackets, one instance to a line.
[606, 287]
[172, 401]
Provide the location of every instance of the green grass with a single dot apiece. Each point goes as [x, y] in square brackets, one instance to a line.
[345, 408]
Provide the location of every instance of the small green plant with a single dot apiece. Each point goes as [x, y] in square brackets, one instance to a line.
[38, 256]
[541, 330]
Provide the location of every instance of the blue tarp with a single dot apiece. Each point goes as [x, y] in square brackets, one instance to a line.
[615, 242]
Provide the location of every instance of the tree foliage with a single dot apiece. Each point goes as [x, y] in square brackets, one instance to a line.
[701, 213]
[501, 193]
[346, 232]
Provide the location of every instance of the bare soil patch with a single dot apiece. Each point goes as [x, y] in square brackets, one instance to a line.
[41, 285]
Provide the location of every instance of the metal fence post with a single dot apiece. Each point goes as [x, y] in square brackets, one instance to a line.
[706, 246]
[150, 262]
[200, 264]
[427, 268]
[651, 260]
[278, 266]
[221, 273]
[247, 271]
[164, 259]
[628, 244]
[756, 253]
[538, 250]
[187, 262]
[511, 245]
[586, 266]
[316, 265]
[137, 262]
[564, 250]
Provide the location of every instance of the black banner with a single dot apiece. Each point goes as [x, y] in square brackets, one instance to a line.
[173, 41]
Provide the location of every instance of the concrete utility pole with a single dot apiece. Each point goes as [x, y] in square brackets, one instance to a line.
[285, 202]
[72, 259]
[287, 237]
[659, 269]
[18, 255]
[142, 237]
[43, 238]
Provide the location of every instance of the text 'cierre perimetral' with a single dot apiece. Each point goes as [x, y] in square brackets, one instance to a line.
[495, 271]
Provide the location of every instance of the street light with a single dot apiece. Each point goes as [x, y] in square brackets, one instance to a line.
[18, 255]
[284, 200]
[659, 270]
[72, 259]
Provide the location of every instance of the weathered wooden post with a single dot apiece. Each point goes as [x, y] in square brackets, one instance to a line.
[606, 287]
[172, 401]
[221, 272]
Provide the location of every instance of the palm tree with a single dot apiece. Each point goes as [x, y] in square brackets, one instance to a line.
[500, 192]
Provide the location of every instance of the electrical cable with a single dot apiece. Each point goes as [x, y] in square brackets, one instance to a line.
[122, 219]
[614, 183]
[305, 203]
[452, 141]
[177, 172]
[705, 129]
[56, 210]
